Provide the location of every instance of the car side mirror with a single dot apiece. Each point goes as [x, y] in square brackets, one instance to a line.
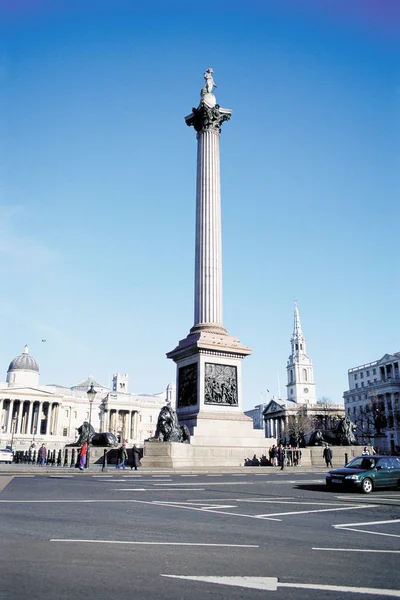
[378, 468]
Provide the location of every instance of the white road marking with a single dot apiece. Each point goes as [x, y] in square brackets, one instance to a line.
[272, 584]
[158, 490]
[366, 531]
[104, 476]
[219, 483]
[21, 476]
[357, 550]
[368, 523]
[189, 475]
[161, 475]
[60, 476]
[213, 475]
[220, 512]
[153, 543]
[305, 512]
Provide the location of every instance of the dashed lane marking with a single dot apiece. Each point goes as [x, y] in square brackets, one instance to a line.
[159, 490]
[212, 483]
[154, 543]
[357, 550]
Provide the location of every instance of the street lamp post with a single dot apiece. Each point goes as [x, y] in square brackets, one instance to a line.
[91, 393]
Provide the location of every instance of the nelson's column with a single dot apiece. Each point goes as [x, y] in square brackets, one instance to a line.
[209, 380]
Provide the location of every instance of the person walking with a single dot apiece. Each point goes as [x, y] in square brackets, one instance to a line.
[82, 456]
[121, 457]
[281, 456]
[327, 454]
[365, 452]
[135, 458]
[42, 455]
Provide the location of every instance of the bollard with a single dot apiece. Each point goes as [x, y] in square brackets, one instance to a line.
[59, 458]
[34, 457]
[346, 459]
[66, 458]
[104, 467]
[72, 458]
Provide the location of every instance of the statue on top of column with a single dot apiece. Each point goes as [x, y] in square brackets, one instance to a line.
[210, 83]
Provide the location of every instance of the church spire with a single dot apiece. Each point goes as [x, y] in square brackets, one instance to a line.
[298, 342]
[297, 332]
[300, 385]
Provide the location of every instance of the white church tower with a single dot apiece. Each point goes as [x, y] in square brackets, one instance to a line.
[300, 373]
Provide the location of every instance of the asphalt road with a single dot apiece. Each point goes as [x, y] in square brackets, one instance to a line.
[245, 535]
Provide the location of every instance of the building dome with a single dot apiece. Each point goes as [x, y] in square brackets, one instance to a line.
[24, 362]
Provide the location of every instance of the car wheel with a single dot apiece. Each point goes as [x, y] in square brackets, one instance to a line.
[366, 486]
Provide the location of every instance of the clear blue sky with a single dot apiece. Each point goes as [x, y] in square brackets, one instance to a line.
[97, 183]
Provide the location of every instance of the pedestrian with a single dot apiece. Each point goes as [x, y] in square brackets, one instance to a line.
[327, 454]
[135, 458]
[365, 452]
[82, 456]
[274, 455]
[42, 455]
[281, 456]
[121, 457]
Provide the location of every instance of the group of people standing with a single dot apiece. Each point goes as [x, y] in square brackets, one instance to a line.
[122, 457]
[281, 456]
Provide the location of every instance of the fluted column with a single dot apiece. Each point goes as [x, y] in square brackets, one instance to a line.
[48, 421]
[207, 120]
[29, 424]
[208, 268]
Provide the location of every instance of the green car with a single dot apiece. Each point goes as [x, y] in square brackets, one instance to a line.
[365, 473]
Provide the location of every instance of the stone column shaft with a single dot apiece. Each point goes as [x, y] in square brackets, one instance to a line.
[208, 267]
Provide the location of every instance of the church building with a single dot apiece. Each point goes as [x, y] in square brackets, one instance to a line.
[296, 417]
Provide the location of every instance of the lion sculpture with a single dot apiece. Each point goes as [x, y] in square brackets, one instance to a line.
[168, 428]
[341, 435]
[88, 434]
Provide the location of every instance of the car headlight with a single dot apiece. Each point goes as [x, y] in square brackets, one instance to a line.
[351, 477]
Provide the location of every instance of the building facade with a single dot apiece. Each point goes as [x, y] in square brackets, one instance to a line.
[372, 402]
[31, 412]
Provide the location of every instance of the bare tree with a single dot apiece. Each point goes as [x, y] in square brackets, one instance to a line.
[325, 418]
[299, 426]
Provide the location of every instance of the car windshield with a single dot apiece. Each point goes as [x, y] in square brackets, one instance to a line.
[362, 462]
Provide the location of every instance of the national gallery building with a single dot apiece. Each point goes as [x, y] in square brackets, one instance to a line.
[30, 412]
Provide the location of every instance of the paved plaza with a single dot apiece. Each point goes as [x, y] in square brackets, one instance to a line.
[252, 535]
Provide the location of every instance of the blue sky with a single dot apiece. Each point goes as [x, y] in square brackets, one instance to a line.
[97, 184]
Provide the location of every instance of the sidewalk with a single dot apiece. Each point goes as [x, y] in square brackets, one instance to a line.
[22, 469]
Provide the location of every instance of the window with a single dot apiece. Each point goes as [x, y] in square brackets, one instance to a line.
[355, 376]
[356, 386]
[65, 431]
[304, 374]
[297, 346]
[291, 376]
[361, 375]
[367, 373]
[151, 418]
[66, 414]
[362, 384]
[75, 415]
[373, 371]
